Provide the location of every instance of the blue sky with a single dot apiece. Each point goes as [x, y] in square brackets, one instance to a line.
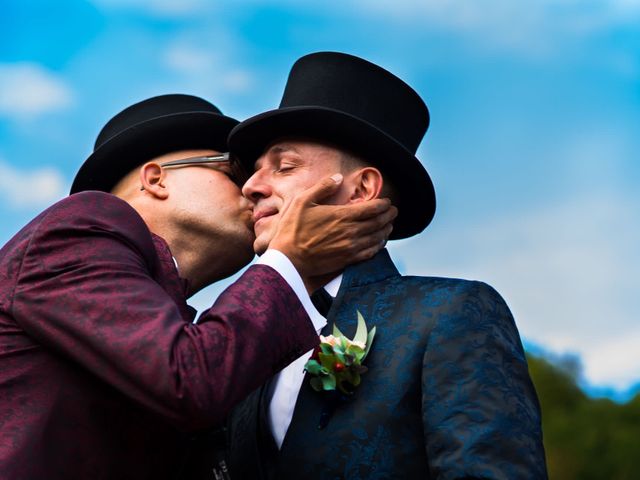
[533, 146]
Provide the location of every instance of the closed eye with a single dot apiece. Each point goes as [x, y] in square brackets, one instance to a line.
[286, 167]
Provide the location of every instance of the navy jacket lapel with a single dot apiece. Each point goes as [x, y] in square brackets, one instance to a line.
[358, 276]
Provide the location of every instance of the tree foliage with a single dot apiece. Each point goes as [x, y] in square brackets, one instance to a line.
[585, 438]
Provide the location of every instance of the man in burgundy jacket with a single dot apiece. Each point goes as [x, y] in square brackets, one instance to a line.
[102, 371]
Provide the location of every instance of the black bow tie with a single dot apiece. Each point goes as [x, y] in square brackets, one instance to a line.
[322, 301]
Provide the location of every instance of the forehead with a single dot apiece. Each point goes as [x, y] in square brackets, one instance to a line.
[302, 149]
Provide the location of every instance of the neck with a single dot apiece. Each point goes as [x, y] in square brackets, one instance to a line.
[199, 261]
[197, 255]
[314, 283]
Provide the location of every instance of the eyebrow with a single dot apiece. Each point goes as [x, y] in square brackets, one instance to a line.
[283, 148]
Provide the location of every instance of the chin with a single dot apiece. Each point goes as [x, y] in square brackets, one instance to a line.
[260, 246]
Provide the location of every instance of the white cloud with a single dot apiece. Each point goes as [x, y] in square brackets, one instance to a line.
[208, 68]
[568, 272]
[160, 8]
[237, 80]
[535, 29]
[470, 13]
[28, 90]
[615, 362]
[626, 7]
[30, 188]
[184, 58]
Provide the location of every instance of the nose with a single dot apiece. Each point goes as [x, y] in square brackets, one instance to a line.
[256, 187]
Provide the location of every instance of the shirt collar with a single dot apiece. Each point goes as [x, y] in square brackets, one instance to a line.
[333, 286]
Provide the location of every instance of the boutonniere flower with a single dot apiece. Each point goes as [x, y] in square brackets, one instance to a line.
[337, 361]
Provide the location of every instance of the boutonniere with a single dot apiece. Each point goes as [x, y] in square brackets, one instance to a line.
[337, 362]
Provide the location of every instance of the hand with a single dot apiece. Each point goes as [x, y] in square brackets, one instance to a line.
[323, 239]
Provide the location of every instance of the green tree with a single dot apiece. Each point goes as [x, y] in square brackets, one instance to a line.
[585, 438]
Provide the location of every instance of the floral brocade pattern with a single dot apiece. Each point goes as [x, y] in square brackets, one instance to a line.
[101, 367]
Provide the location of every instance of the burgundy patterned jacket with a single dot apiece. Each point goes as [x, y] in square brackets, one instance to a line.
[101, 369]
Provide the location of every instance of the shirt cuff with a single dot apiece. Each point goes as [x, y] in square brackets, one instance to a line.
[281, 264]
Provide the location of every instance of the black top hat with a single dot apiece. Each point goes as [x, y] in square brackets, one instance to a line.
[150, 128]
[356, 105]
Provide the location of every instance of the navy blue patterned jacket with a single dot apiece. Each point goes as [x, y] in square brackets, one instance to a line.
[447, 395]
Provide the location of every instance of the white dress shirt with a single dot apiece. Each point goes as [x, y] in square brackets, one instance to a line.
[285, 386]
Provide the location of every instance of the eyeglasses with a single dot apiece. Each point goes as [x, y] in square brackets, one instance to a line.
[237, 174]
[197, 160]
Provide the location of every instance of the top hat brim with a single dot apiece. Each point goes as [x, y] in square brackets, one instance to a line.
[414, 188]
[140, 143]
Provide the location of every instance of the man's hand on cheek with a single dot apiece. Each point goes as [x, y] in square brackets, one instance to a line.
[324, 239]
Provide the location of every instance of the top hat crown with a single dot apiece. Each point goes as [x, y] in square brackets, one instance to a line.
[358, 106]
[147, 129]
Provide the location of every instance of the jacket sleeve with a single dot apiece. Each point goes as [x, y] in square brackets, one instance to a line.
[480, 410]
[86, 291]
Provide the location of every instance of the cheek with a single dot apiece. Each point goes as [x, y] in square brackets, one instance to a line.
[288, 188]
[227, 189]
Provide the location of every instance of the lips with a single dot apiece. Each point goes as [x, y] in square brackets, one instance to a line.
[263, 213]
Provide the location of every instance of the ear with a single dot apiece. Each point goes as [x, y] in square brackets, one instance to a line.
[367, 184]
[152, 179]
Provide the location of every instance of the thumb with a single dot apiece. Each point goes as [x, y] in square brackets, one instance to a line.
[323, 189]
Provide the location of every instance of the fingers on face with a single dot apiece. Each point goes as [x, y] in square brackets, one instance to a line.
[367, 253]
[321, 190]
[368, 209]
[368, 245]
[363, 228]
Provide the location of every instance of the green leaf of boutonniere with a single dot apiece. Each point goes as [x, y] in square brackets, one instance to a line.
[361, 331]
[337, 361]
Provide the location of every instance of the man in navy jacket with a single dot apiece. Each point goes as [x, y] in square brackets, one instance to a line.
[446, 393]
